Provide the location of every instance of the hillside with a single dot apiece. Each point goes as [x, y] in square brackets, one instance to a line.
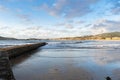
[112, 34]
[104, 36]
[6, 38]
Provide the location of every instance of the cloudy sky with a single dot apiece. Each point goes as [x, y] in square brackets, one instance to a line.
[58, 18]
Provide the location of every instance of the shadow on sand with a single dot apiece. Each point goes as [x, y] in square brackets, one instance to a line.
[18, 60]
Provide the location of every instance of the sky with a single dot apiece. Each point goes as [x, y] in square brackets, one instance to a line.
[58, 18]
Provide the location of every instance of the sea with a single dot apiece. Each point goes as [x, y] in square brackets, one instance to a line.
[67, 60]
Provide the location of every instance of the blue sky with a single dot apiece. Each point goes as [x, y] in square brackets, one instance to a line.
[58, 18]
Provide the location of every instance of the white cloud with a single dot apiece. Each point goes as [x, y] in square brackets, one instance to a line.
[69, 9]
[38, 32]
[80, 22]
[25, 18]
[103, 25]
[98, 30]
[116, 10]
[99, 26]
[3, 9]
[65, 25]
[19, 32]
[31, 32]
[70, 24]
[116, 7]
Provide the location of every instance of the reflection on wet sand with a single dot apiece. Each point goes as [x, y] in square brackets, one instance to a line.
[69, 73]
[18, 60]
[107, 57]
[116, 73]
[38, 71]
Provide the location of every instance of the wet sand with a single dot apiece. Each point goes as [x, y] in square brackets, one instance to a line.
[68, 64]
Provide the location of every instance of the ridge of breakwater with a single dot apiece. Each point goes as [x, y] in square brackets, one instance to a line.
[15, 51]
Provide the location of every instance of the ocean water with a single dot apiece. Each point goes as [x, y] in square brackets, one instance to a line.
[68, 60]
[7, 43]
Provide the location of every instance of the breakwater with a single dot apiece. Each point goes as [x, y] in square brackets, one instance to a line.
[10, 52]
[5, 67]
[20, 49]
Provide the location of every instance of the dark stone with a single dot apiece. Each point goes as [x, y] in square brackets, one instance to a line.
[108, 78]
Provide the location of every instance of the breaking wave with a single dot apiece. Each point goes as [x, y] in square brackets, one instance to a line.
[83, 45]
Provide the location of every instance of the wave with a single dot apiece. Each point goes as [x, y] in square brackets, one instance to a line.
[82, 45]
[70, 47]
[65, 57]
[77, 42]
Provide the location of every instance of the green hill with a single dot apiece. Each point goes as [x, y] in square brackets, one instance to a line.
[112, 34]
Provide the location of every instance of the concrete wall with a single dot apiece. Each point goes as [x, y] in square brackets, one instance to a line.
[18, 50]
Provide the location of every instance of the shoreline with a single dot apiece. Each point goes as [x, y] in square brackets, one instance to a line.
[84, 40]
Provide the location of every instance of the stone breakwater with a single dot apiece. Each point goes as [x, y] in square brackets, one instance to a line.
[9, 52]
[5, 67]
[20, 49]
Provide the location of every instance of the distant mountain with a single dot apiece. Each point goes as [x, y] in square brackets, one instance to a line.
[103, 36]
[6, 38]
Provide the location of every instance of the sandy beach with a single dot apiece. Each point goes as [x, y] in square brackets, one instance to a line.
[55, 62]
